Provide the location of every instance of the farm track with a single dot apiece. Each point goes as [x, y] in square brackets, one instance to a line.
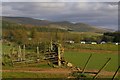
[55, 71]
[34, 70]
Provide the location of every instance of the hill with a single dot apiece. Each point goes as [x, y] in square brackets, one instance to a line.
[77, 27]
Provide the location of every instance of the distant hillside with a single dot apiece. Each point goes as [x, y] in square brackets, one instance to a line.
[26, 20]
[79, 27]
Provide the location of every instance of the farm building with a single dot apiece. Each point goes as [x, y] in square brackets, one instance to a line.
[93, 42]
[70, 42]
[116, 43]
[82, 42]
[103, 42]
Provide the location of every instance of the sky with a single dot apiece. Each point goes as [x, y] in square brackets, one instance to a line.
[100, 14]
[60, 0]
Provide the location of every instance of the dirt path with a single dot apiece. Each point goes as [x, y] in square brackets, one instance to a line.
[55, 71]
[102, 73]
[52, 71]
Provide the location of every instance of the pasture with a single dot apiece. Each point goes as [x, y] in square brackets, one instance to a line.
[108, 47]
[96, 62]
[77, 54]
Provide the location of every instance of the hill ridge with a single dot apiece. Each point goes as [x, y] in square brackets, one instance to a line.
[79, 27]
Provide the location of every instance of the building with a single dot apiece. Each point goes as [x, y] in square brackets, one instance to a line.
[82, 42]
[103, 42]
[116, 43]
[93, 42]
[70, 42]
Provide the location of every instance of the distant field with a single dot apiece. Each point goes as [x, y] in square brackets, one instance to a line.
[110, 47]
[96, 62]
[87, 34]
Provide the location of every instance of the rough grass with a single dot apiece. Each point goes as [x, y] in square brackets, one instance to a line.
[31, 75]
[6, 48]
[96, 62]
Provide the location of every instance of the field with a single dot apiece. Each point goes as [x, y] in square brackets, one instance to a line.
[77, 54]
[96, 62]
[105, 47]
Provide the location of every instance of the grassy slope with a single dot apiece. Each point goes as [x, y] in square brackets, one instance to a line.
[80, 27]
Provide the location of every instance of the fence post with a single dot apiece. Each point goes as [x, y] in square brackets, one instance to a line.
[19, 54]
[37, 52]
[59, 55]
[51, 46]
[102, 68]
[115, 73]
[86, 63]
[24, 52]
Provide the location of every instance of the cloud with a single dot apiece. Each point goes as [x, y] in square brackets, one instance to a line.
[95, 13]
[60, 0]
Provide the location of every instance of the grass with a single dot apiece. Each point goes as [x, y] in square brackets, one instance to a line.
[77, 58]
[31, 75]
[96, 62]
[6, 48]
[110, 47]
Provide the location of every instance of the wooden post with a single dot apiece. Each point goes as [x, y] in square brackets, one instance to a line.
[51, 46]
[102, 68]
[86, 63]
[115, 73]
[23, 52]
[19, 54]
[37, 52]
[59, 55]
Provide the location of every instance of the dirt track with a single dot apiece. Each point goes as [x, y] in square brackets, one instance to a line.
[55, 71]
[52, 71]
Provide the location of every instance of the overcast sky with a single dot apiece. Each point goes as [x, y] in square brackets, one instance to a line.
[100, 14]
[59, 0]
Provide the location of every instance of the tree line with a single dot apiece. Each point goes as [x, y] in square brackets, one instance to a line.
[34, 35]
[112, 36]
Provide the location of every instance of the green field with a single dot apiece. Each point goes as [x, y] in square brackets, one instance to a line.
[110, 47]
[77, 54]
[79, 57]
[96, 62]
